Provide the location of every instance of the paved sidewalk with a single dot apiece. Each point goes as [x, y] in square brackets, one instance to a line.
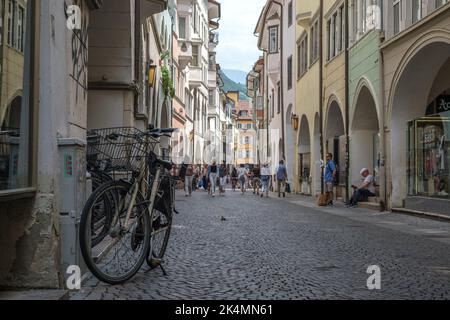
[290, 249]
[35, 295]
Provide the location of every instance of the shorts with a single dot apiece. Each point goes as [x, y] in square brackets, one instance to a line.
[329, 187]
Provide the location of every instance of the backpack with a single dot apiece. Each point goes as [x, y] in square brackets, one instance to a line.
[183, 170]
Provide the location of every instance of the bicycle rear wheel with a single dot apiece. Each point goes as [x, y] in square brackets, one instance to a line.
[119, 255]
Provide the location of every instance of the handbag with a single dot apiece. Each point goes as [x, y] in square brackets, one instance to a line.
[322, 200]
[288, 188]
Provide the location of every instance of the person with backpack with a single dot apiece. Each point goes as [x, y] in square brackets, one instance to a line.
[234, 178]
[265, 180]
[282, 177]
[330, 178]
[188, 180]
[242, 177]
[223, 175]
[213, 173]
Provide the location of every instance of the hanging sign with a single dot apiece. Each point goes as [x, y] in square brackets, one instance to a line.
[443, 103]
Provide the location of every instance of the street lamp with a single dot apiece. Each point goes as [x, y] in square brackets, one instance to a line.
[152, 75]
[295, 122]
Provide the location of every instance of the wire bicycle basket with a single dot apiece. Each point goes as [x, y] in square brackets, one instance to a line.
[122, 149]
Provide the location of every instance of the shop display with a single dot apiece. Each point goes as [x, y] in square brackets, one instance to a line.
[429, 157]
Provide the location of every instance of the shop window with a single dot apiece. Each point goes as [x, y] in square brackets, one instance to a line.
[16, 102]
[429, 152]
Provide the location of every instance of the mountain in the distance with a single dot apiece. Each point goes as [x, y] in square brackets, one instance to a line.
[230, 85]
[237, 76]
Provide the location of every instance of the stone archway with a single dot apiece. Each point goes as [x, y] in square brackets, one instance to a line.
[316, 157]
[13, 114]
[421, 77]
[335, 137]
[290, 142]
[304, 156]
[364, 135]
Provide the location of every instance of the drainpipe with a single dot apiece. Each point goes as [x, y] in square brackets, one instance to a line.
[347, 106]
[322, 151]
[383, 151]
[282, 80]
[137, 55]
[383, 144]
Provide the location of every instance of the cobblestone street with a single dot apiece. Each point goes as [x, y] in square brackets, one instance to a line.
[290, 249]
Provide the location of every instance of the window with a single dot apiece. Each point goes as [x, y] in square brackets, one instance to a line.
[440, 3]
[21, 29]
[182, 28]
[272, 103]
[336, 33]
[278, 98]
[187, 101]
[247, 140]
[302, 57]
[16, 101]
[195, 56]
[314, 47]
[212, 98]
[195, 16]
[212, 62]
[418, 10]
[289, 71]
[10, 17]
[273, 39]
[397, 15]
[290, 13]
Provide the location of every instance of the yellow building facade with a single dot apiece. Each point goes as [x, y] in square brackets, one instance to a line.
[334, 86]
[307, 107]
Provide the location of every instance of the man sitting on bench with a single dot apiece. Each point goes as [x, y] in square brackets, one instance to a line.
[364, 191]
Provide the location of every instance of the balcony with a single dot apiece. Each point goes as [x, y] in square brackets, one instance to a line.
[213, 40]
[274, 66]
[212, 79]
[185, 53]
[195, 77]
[184, 7]
[214, 9]
[151, 7]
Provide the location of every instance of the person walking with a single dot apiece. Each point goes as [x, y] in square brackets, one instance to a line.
[330, 178]
[205, 178]
[189, 174]
[282, 177]
[223, 175]
[213, 173]
[234, 178]
[265, 179]
[242, 174]
[256, 179]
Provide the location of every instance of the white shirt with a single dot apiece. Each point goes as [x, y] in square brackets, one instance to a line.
[265, 171]
[370, 181]
[242, 172]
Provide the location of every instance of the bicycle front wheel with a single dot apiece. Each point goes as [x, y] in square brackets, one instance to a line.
[120, 253]
[162, 218]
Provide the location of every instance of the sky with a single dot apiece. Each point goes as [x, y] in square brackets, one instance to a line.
[237, 47]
